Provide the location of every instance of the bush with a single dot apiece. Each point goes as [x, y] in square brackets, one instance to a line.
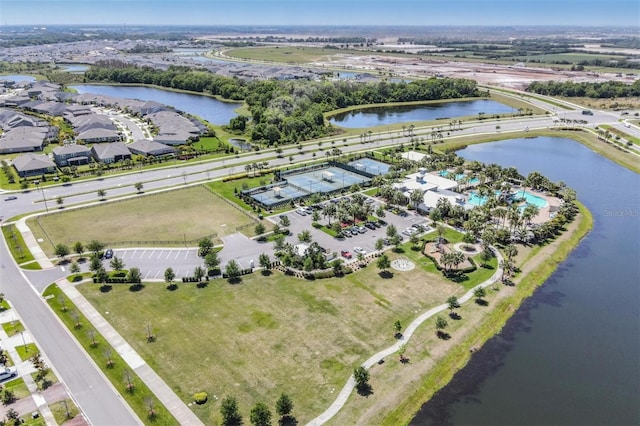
[200, 397]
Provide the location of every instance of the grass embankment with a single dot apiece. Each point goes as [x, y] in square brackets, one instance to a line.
[268, 335]
[154, 216]
[622, 134]
[17, 247]
[101, 352]
[458, 356]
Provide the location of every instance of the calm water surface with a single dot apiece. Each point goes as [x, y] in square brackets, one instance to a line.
[212, 110]
[571, 354]
[390, 115]
[18, 77]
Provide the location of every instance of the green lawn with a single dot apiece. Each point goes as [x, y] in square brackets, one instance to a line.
[12, 327]
[167, 219]
[117, 373]
[60, 411]
[27, 351]
[268, 335]
[286, 54]
[15, 242]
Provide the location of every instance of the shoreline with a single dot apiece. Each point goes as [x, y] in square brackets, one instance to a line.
[535, 273]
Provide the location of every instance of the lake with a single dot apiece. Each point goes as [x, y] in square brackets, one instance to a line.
[17, 77]
[210, 109]
[571, 354]
[380, 116]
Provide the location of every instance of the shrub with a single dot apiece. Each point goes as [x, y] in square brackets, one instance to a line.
[200, 397]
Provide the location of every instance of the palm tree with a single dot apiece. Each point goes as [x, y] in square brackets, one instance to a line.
[417, 197]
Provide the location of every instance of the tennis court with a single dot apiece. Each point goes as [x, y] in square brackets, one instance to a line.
[371, 166]
[298, 185]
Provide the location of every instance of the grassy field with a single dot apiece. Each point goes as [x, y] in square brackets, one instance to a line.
[177, 215]
[268, 335]
[16, 244]
[288, 54]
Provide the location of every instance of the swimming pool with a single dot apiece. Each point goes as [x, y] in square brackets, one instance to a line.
[476, 200]
[458, 177]
[529, 198]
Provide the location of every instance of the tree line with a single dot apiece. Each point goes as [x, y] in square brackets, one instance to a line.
[285, 111]
[608, 89]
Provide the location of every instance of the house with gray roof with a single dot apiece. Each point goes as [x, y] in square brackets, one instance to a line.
[110, 152]
[33, 165]
[146, 147]
[71, 155]
[23, 139]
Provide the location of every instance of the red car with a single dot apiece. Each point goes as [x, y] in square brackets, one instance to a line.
[346, 254]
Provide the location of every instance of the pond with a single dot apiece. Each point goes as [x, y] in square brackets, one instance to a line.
[379, 116]
[208, 108]
[17, 77]
[571, 354]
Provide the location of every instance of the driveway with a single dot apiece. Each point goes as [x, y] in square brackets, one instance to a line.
[243, 250]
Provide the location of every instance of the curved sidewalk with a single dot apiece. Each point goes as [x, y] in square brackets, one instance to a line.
[160, 389]
[344, 394]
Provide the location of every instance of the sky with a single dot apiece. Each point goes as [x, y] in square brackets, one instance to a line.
[321, 12]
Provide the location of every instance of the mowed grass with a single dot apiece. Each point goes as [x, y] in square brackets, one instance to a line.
[172, 216]
[268, 335]
[287, 54]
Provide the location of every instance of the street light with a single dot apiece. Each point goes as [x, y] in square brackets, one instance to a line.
[37, 182]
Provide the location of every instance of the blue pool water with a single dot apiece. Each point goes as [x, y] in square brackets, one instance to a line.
[531, 199]
[476, 200]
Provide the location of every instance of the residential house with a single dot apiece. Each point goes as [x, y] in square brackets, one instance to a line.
[146, 147]
[110, 152]
[71, 155]
[23, 139]
[33, 165]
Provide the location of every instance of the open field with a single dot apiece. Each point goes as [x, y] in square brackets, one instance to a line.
[265, 336]
[184, 214]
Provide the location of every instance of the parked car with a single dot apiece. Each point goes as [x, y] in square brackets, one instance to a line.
[359, 250]
[8, 373]
[345, 254]
[370, 225]
[301, 212]
[11, 197]
[108, 254]
[362, 229]
[382, 222]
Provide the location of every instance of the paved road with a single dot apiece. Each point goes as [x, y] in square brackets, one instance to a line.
[99, 401]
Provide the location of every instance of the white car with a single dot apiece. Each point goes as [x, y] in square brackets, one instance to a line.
[8, 373]
[359, 250]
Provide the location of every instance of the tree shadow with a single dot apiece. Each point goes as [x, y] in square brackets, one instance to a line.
[385, 274]
[364, 389]
[172, 287]
[288, 421]
[443, 335]
[456, 276]
[234, 280]
[399, 250]
[266, 272]
[487, 266]
[105, 288]
[202, 284]
[136, 287]
[398, 335]
[404, 360]
[508, 282]
[455, 316]
[481, 302]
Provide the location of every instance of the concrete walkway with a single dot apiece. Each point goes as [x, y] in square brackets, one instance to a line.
[165, 395]
[32, 244]
[24, 368]
[344, 394]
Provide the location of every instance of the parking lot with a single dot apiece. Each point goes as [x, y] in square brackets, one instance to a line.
[153, 262]
[365, 240]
